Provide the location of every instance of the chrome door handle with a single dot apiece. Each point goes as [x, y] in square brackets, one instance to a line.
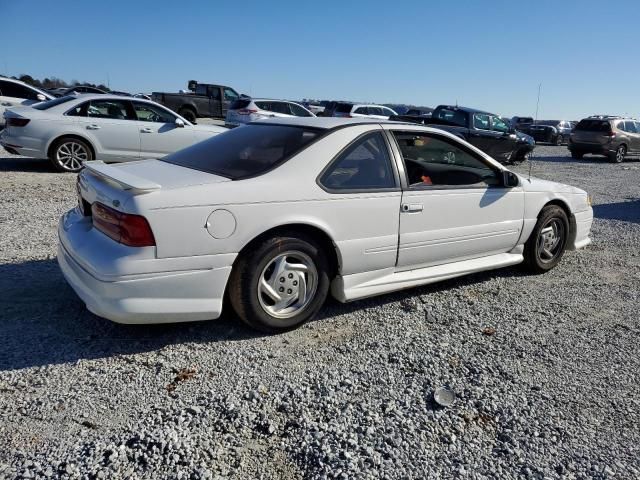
[412, 207]
[93, 127]
[146, 130]
[6, 104]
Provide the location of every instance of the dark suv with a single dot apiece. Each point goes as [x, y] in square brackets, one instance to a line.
[612, 136]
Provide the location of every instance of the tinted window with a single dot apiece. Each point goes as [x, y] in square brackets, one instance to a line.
[230, 95]
[201, 89]
[498, 125]
[387, 111]
[52, 103]
[343, 107]
[298, 111]
[375, 111]
[147, 112]
[113, 109]
[264, 106]
[621, 126]
[481, 121]
[280, 107]
[431, 160]
[15, 90]
[630, 127]
[240, 104]
[365, 164]
[454, 116]
[245, 152]
[79, 110]
[361, 110]
[589, 125]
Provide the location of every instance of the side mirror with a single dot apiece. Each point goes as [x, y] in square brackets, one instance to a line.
[510, 179]
[179, 123]
[41, 97]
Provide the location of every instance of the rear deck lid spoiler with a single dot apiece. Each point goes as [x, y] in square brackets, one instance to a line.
[126, 180]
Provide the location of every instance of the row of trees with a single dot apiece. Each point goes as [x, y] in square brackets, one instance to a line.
[54, 82]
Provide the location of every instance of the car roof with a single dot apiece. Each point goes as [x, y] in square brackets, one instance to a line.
[329, 123]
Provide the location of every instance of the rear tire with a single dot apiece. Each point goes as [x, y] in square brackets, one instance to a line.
[548, 241]
[559, 139]
[188, 114]
[577, 155]
[280, 283]
[68, 154]
[618, 155]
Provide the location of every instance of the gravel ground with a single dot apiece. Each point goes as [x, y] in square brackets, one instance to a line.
[545, 368]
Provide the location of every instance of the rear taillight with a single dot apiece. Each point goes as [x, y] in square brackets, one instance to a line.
[125, 228]
[17, 122]
[611, 135]
[246, 111]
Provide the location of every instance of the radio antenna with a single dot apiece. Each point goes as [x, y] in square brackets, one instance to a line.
[535, 122]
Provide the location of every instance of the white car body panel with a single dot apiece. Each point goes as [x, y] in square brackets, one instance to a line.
[112, 140]
[184, 276]
[236, 119]
[7, 102]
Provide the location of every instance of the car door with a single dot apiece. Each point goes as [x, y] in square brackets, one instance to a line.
[112, 128]
[13, 95]
[454, 206]
[480, 134]
[633, 129]
[159, 133]
[504, 140]
[215, 101]
[229, 95]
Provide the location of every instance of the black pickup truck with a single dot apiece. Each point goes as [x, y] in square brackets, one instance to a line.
[483, 130]
[204, 100]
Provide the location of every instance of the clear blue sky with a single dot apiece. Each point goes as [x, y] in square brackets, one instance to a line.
[485, 54]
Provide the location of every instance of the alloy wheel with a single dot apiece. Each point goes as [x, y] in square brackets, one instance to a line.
[71, 155]
[551, 240]
[620, 153]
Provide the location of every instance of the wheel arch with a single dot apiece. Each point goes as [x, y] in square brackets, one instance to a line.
[570, 216]
[53, 142]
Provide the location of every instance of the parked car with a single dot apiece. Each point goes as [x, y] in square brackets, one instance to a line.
[522, 124]
[75, 129]
[14, 93]
[551, 131]
[275, 215]
[484, 130]
[375, 112]
[205, 100]
[247, 110]
[612, 136]
[63, 92]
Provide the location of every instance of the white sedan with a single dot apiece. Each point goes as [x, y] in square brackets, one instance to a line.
[75, 129]
[277, 214]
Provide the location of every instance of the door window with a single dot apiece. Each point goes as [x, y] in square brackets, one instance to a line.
[375, 111]
[362, 111]
[481, 121]
[280, 107]
[431, 160]
[298, 111]
[15, 90]
[630, 126]
[79, 110]
[388, 111]
[230, 95]
[499, 125]
[112, 109]
[146, 112]
[364, 165]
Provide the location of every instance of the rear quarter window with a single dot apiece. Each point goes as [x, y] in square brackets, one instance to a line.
[239, 104]
[344, 107]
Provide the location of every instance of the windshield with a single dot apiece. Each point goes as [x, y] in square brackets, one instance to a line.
[245, 151]
[52, 103]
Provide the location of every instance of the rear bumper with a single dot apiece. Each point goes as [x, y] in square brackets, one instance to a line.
[187, 292]
[596, 148]
[23, 145]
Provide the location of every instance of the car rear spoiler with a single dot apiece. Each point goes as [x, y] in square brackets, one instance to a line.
[126, 180]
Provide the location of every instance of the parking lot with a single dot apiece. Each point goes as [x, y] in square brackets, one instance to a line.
[545, 368]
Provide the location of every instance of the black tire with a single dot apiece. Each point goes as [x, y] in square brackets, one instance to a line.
[68, 154]
[619, 154]
[541, 254]
[577, 155]
[188, 114]
[252, 303]
[559, 139]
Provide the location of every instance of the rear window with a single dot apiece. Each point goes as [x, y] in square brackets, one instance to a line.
[246, 151]
[456, 117]
[593, 126]
[239, 104]
[344, 107]
[52, 103]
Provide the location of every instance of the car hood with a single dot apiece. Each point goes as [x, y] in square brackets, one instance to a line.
[534, 184]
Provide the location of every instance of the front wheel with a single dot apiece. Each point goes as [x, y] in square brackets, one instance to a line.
[559, 140]
[188, 115]
[280, 284]
[548, 241]
[69, 154]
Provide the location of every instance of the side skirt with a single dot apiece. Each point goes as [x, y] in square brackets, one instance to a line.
[367, 284]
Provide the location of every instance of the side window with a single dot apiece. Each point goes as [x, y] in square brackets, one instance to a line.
[498, 125]
[201, 89]
[621, 126]
[79, 110]
[481, 121]
[362, 111]
[264, 106]
[375, 111]
[230, 95]
[113, 109]
[214, 93]
[388, 111]
[630, 126]
[364, 165]
[146, 112]
[431, 160]
[637, 125]
[298, 111]
[14, 90]
[280, 107]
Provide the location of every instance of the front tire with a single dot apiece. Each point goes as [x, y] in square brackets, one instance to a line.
[68, 154]
[559, 140]
[618, 155]
[188, 114]
[280, 284]
[548, 241]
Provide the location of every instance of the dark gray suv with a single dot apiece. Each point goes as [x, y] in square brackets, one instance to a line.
[611, 136]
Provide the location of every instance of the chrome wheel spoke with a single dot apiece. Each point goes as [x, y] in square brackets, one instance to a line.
[267, 289]
[297, 267]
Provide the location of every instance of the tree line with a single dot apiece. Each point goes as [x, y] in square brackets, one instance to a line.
[48, 83]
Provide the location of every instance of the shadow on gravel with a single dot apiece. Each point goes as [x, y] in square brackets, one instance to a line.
[25, 164]
[623, 211]
[43, 322]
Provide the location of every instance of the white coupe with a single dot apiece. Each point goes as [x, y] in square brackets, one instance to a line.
[275, 215]
[75, 129]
